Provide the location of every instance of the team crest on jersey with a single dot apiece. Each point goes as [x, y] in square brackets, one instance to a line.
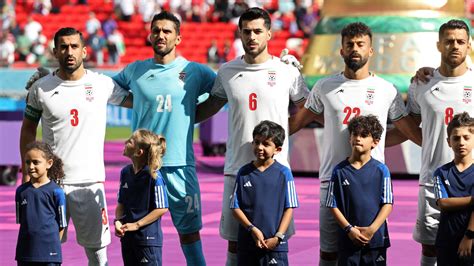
[467, 94]
[369, 96]
[182, 76]
[89, 92]
[271, 78]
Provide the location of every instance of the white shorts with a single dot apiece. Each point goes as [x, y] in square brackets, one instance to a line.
[86, 205]
[328, 227]
[229, 226]
[427, 219]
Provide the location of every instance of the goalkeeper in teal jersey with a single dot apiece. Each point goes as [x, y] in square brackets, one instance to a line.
[165, 93]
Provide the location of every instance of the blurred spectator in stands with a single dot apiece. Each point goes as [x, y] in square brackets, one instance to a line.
[306, 17]
[38, 49]
[48, 58]
[109, 26]
[237, 9]
[97, 43]
[42, 7]
[92, 24]
[277, 22]
[15, 29]
[23, 45]
[194, 15]
[221, 11]
[57, 4]
[237, 45]
[7, 50]
[115, 47]
[32, 29]
[226, 52]
[213, 54]
[126, 8]
[7, 15]
[147, 8]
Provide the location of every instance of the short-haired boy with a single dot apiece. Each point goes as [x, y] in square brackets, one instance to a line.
[263, 201]
[361, 198]
[454, 183]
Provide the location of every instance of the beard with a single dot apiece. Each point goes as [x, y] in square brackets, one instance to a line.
[355, 65]
[162, 53]
[453, 62]
[254, 53]
[70, 68]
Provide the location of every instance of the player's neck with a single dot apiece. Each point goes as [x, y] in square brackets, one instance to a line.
[262, 165]
[259, 59]
[138, 164]
[361, 73]
[167, 59]
[76, 75]
[357, 160]
[449, 71]
[463, 162]
[38, 182]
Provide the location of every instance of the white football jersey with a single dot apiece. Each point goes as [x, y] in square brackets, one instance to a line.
[73, 117]
[437, 102]
[256, 92]
[341, 99]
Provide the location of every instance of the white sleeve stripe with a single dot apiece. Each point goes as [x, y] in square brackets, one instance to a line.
[387, 190]
[160, 197]
[233, 198]
[62, 215]
[330, 195]
[292, 198]
[437, 188]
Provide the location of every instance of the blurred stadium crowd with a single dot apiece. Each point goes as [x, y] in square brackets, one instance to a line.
[117, 30]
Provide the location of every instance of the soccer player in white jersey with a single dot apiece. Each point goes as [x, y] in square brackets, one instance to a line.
[257, 87]
[334, 101]
[71, 103]
[434, 104]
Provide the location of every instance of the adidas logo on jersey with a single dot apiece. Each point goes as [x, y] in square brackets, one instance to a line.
[144, 260]
[345, 182]
[125, 185]
[273, 261]
[380, 258]
[24, 202]
[248, 184]
[447, 182]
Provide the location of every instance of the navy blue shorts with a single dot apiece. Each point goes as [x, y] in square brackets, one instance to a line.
[261, 257]
[447, 256]
[373, 257]
[140, 255]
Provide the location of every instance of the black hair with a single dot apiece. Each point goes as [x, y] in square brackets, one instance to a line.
[56, 171]
[256, 13]
[165, 15]
[461, 120]
[356, 29]
[270, 130]
[365, 125]
[67, 32]
[452, 25]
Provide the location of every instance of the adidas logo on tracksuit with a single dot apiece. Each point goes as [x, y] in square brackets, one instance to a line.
[144, 260]
[125, 185]
[273, 261]
[380, 258]
[248, 184]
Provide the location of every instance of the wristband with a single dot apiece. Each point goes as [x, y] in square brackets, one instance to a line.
[348, 229]
[250, 227]
[469, 234]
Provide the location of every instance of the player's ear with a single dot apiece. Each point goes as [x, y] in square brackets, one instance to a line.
[277, 150]
[438, 45]
[449, 142]
[375, 142]
[139, 152]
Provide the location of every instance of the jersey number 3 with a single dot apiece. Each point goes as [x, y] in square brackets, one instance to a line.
[74, 117]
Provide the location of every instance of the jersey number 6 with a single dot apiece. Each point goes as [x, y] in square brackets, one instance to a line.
[253, 101]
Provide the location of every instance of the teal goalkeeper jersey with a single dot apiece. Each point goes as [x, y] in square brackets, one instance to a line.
[164, 101]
